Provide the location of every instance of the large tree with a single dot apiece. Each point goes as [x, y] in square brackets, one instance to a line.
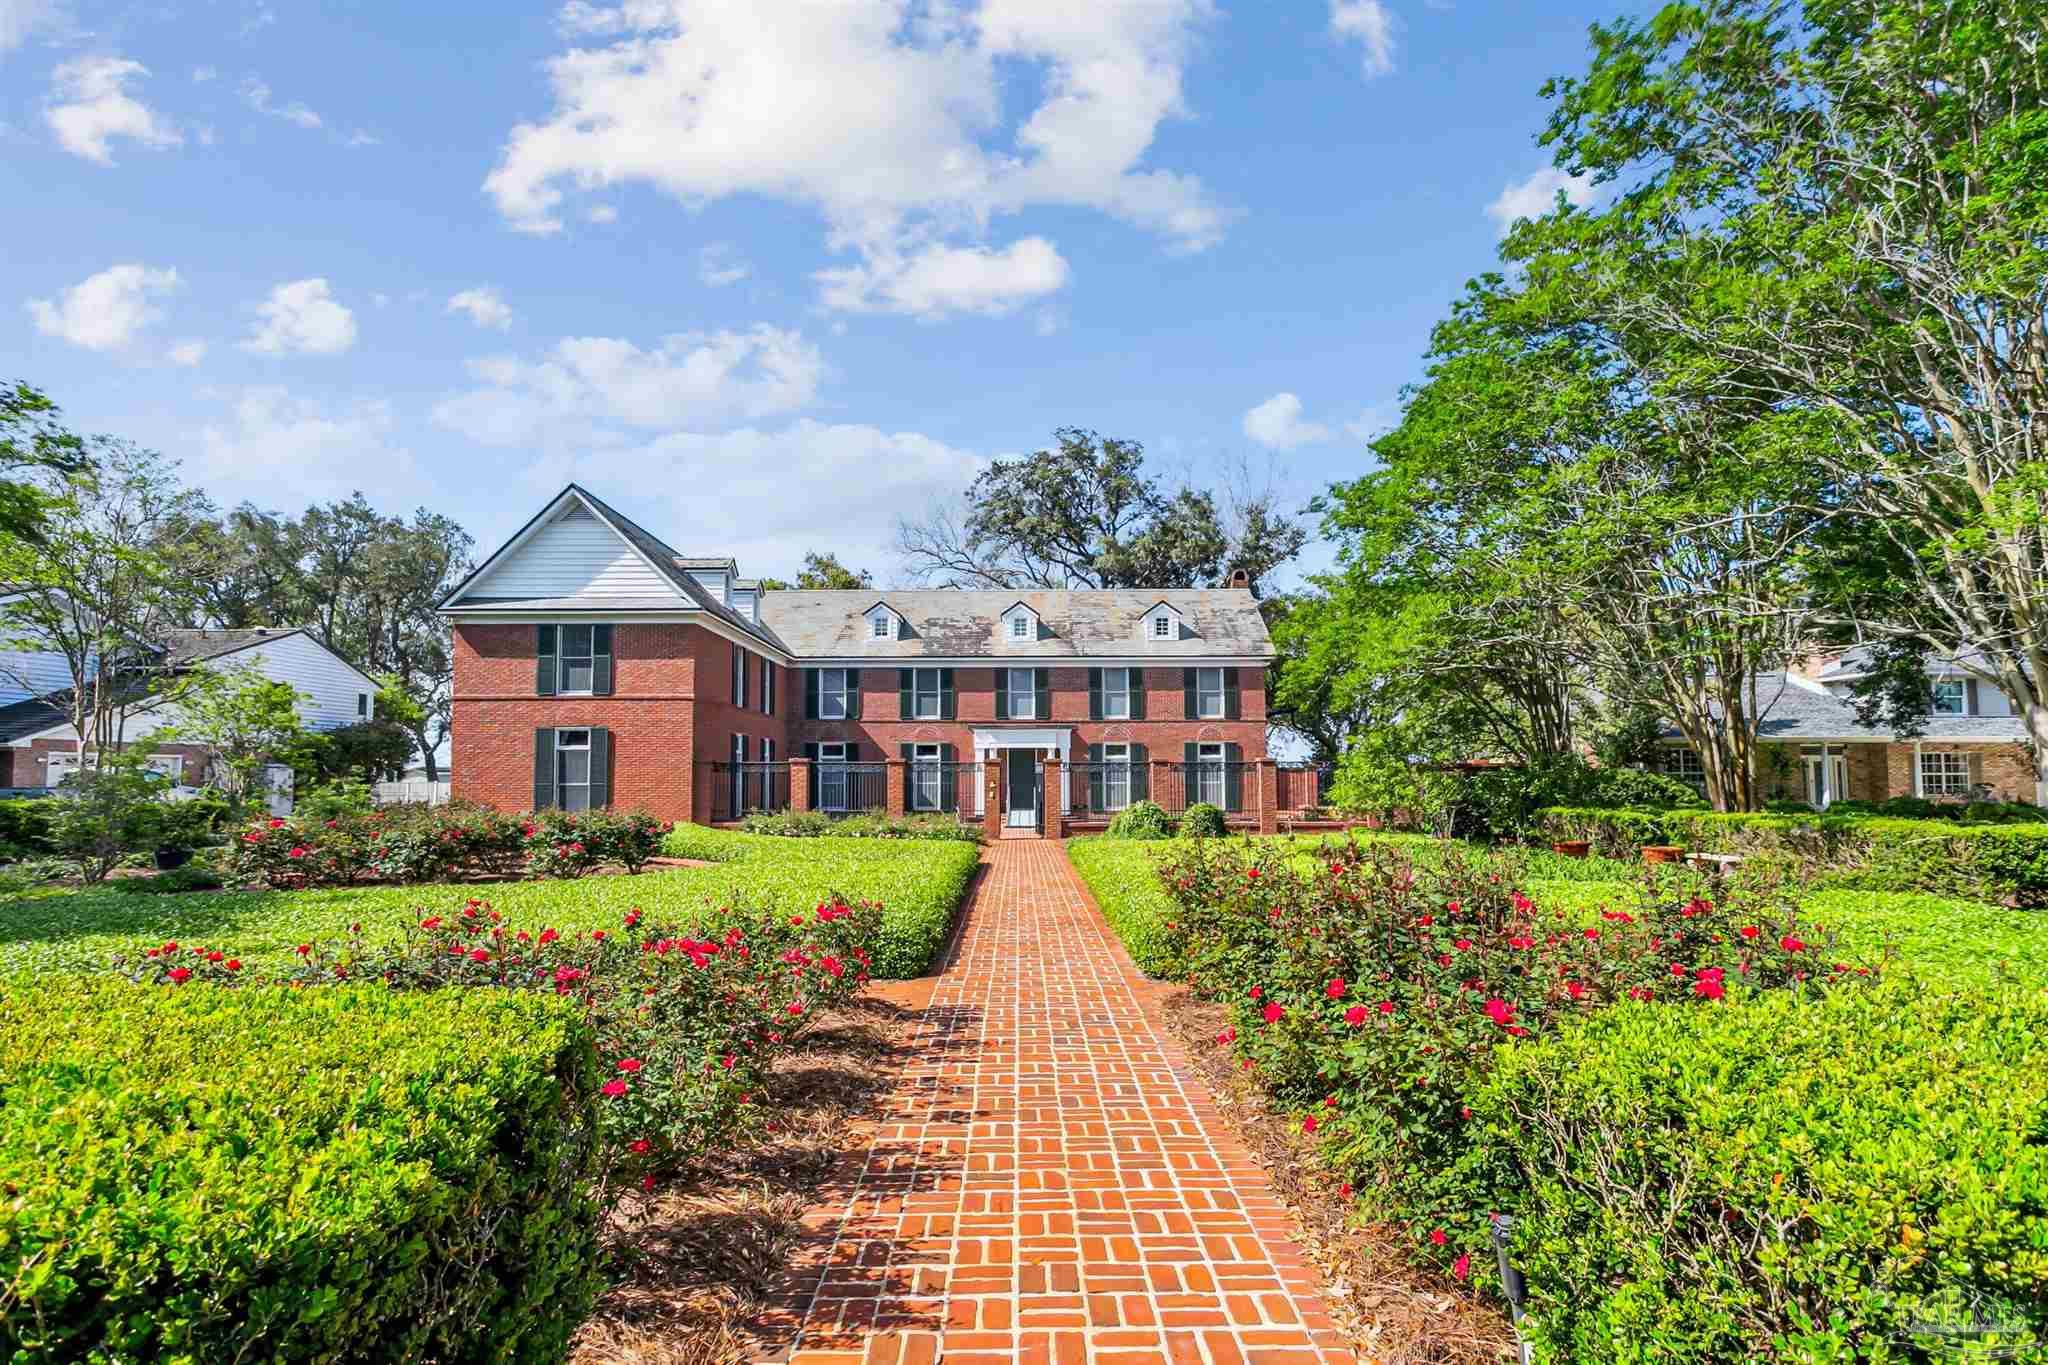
[821, 573]
[1845, 209]
[33, 446]
[1086, 514]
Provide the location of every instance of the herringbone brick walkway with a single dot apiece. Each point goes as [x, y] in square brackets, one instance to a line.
[1051, 1184]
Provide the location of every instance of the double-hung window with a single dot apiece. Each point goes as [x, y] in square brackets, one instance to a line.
[578, 661]
[1116, 776]
[1116, 694]
[1951, 697]
[1022, 685]
[925, 690]
[1208, 781]
[1020, 627]
[832, 696]
[878, 626]
[925, 777]
[1162, 627]
[572, 762]
[832, 774]
[1944, 774]
[767, 687]
[1209, 693]
[1684, 764]
[739, 677]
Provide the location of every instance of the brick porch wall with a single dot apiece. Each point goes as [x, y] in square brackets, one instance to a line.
[2006, 769]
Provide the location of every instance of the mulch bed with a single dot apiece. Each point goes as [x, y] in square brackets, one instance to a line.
[697, 1258]
[1394, 1312]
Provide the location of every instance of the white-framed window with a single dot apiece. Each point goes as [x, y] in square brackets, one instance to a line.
[832, 775]
[1944, 774]
[1209, 693]
[832, 697]
[924, 694]
[1116, 776]
[925, 777]
[739, 677]
[1116, 694]
[1207, 784]
[572, 768]
[767, 750]
[1020, 626]
[362, 705]
[878, 626]
[1951, 697]
[578, 661]
[1682, 763]
[1022, 684]
[1162, 627]
[167, 765]
[767, 687]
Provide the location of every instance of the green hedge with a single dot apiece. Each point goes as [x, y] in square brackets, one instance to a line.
[1123, 876]
[1877, 853]
[25, 826]
[271, 1174]
[1794, 1179]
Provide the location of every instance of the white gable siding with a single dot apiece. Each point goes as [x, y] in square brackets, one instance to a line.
[31, 673]
[329, 686]
[575, 555]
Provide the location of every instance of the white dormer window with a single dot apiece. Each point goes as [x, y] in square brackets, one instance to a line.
[879, 627]
[1160, 623]
[1162, 627]
[1020, 627]
[883, 624]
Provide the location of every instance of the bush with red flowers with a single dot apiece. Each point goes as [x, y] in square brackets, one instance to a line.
[439, 843]
[1393, 986]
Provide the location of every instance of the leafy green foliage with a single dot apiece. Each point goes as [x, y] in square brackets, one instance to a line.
[1122, 873]
[1794, 1179]
[244, 719]
[110, 810]
[438, 843]
[218, 1175]
[791, 824]
[25, 826]
[1201, 821]
[1141, 820]
[1505, 801]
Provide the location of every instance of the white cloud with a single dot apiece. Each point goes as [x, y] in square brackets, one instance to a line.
[257, 95]
[1537, 195]
[886, 117]
[269, 439]
[940, 280]
[1370, 24]
[590, 388]
[187, 353]
[1277, 424]
[21, 19]
[484, 306]
[360, 138]
[105, 312]
[302, 316]
[602, 213]
[809, 483]
[719, 265]
[90, 105]
[202, 74]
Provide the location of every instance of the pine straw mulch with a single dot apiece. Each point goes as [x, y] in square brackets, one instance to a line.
[696, 1259]
[1394, 1311]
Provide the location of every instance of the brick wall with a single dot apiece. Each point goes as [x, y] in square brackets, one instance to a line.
[30, 767]
[2004, 767]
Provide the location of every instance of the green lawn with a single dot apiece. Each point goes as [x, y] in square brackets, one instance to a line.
[1962, 941]
[920, 884]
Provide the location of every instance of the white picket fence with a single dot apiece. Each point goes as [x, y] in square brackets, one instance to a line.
[418, 792]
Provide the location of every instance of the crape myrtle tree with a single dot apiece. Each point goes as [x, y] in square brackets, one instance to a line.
[1844, 208]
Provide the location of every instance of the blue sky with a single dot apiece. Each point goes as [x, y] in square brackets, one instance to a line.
[767, 273]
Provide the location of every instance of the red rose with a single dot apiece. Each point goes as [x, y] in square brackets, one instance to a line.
[233, 964]
[614, 1089]
[1791, 944]
[1462, 1267]
[479, 955]
[1335, 990]
[1355, 1015]
[180, 974]
[1500, 1011]
[1437, 1237]
[1386, 1007]
[1750, 931]
[629, 1064]
[1273, 1013]
[1308, 1125]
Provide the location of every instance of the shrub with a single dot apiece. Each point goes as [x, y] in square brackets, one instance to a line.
[439, 843]
[25, 826]
[1797, 1179]
[1122, 875]
[190, 877]
[812, 824]
[706, 844]
[272, 1174]
[109, 812]
[1504, 802]
[1380, 991]
[789, 824]
[1201, 821]
[1141, 820]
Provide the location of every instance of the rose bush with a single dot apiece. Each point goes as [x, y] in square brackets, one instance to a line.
[439, 843]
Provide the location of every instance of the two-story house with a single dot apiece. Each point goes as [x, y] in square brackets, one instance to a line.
[1972, 745]
[594, 665]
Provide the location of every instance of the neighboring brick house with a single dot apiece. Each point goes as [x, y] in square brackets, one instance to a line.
[1973, 745]
[594, 665]
[39, 748]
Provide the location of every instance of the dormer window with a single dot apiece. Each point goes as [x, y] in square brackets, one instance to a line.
[1020, 627]
[883, 624]
[879, 627]
[1162, 627]
[1162, 622]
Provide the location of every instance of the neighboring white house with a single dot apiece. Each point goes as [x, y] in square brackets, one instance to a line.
[40, 749]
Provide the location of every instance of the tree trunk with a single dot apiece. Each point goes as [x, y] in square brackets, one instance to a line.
[2037, 734]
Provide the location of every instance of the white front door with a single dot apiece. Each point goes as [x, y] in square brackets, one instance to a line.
[1827, 779]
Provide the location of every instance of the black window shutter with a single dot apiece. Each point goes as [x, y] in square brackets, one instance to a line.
[745, 681]
[543, 769]
[1190, 754]
[544, 661]
[810, 694]
[600, 766]
[1230, 704]
[1970, 697]
[811, 753]
[949, 776]
[1095, 694]
[907, 751]
[1141, 774]
[1002, 676]
[1137, 685]
[906, 684]
[601, 661]
[767, 687]
[1095, 769]
[1233, 777]
[1187, 689]
[948, 707]
[1041, 687]
[852, 698]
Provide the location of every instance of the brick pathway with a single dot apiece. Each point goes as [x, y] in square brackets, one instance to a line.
[1052, 1184]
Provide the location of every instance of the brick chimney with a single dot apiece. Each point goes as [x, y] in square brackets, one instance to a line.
[1241, 578]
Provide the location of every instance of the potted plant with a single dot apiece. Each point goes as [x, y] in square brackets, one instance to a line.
[1662, 853]
[1572, 848]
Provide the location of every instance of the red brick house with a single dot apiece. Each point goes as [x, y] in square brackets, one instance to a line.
[596, 666]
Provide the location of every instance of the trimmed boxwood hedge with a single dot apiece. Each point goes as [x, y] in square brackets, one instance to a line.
[1993, 862]
[1790, 1179]
[342, 1173]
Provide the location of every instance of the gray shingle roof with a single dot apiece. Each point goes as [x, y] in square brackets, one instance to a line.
[1796, 712]
[182, 647]
[1074, 623]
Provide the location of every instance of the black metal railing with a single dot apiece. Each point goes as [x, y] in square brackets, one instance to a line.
[1227, 786]
[742, 789]
[934, 788]
[850, 788]
[1102, 789]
